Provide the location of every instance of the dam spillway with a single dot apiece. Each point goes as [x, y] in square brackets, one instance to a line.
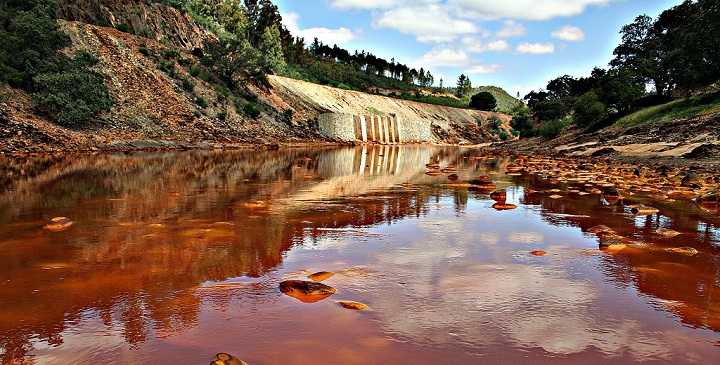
[389, 129]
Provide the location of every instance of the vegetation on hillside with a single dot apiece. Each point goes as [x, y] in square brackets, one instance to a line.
[30, 58]
[677, 54]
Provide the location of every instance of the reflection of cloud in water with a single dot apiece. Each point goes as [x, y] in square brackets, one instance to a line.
[443, 301]
[526, 237]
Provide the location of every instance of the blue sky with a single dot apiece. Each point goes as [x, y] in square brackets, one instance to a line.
[518, 45]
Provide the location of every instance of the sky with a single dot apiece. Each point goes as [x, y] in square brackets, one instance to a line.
[518, 45]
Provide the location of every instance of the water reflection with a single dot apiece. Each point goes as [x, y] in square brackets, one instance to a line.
[162, 240]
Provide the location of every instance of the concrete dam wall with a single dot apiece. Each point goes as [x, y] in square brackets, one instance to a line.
[374, 128]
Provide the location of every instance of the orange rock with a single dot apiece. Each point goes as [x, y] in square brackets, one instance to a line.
[306, 291]
[504, 206]
[433, 173]
[353, 305]
[320, 276]
[499, 195]
[640, 209]
[538, 253]
[58, 224]
[226, 359]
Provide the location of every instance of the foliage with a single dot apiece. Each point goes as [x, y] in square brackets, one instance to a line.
[270, 50]
[702, 104]
[251, 110]
[463, 85]
[30, 41]
[231, 60]
[483, 100]
[551, 109]
[588, 110]
[73, 93]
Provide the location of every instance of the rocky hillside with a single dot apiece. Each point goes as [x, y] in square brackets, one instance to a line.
[162, 101]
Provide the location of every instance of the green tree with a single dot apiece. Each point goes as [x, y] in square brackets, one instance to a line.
[270, 50]
[641, 52]
[463, 85]
[483, 100]
[231, 60]
[588, 110]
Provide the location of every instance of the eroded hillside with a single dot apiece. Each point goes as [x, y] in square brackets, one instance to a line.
[161, 100]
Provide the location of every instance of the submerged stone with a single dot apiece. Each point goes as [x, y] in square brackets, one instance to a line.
[499, 195]
[687, 251]
[226, 359]
[641, 209]
[504, 206]
[666, 232]
[320, 276]
[306, 291]
[58, 224]
[349, 304]
[538, 253]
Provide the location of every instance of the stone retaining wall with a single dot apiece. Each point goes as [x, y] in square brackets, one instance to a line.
[373, 128]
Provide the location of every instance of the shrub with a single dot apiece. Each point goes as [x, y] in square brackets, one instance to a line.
[551, 129]
[73, 93]
[222, 114]
[123, 27]
[483, 100]
[201, 102]
[144, 51]
[188, 85]
[251, 110]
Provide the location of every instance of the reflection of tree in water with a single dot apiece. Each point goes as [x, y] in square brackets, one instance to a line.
[150, 227]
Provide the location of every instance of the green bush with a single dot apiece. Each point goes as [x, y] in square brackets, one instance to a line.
[483, 100]
[123, 27]
[188, 85]
[551, 129]
[251, 110]
[144, 51]
[201, 102]
[222, 115]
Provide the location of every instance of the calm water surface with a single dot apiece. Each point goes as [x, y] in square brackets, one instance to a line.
[174, 257]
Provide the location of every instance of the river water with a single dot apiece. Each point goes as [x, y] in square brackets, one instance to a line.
[174, 257]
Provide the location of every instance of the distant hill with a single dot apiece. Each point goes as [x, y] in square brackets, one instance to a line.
[505, 102]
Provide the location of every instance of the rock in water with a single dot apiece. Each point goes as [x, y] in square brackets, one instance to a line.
[58, 224]
[353, 305]
[641, 209]
[226, 359]
[320, 276]
[687, 251]
[306, 291]
[666, 232]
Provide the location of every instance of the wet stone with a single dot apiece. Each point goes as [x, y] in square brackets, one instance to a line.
[353, 305]
[320, 276]
[58, 224]
[226, 359]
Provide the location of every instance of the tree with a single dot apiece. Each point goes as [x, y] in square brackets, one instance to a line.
[641, 52]
[588, 110]
[270, 50]
[231, 60]
[463, 85]
[483, 100]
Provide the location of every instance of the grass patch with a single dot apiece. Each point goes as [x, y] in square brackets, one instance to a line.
[701, 104]
[375, 111]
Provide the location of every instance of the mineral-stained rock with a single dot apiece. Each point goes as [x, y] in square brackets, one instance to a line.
[320, 276]
[58, 224]
[688, 251]
[666, 232]
[306, 291]
[226, 359]
[353, 305]
[691, 180]
[499, 195]
[640, 209]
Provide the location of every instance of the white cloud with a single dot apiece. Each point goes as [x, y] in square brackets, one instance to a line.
[444, 57]
[569, 33]
[485, 69]
[511, 29]
[523, 9]
[475, 45]
[364, 4]
[327, 36]
[536, 48]
[430, 23]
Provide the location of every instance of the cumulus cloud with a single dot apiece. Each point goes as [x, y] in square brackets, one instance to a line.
[536, 48]
[511, 29]
[569, 33]
[327, 36]
[475, 45]
[444, 57]
[485, 69]
[430, 23]
[523, 9]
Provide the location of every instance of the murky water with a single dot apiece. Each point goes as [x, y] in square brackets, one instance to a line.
[174, 257]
